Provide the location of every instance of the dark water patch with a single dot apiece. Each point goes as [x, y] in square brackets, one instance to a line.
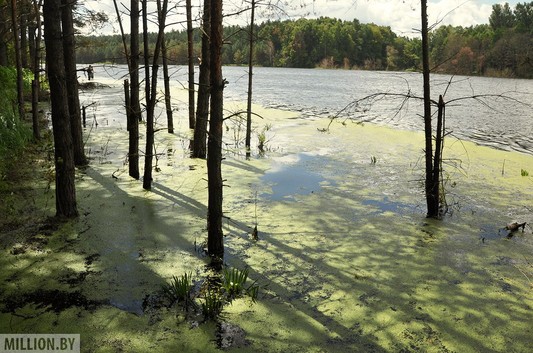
[131, 306]
[49, 300]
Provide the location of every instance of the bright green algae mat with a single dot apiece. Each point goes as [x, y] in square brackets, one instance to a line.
[345, 263]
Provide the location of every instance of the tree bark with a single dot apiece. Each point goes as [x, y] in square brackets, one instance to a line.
[437, 160]
[69, 52]
[36, 60]
[166, 81]
[147, 182]
[133, 151]
[250, 85]
[63, 153]
[190, 54]
[215, 246]
[432, 200]
[18, 60]
[202, 110]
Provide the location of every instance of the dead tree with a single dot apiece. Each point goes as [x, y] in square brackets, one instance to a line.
[18, 60]
[190, 60]
[166, 81]
[215, 246]
[69, 52]
[250, 78]
[150, 108]
[135, 107]
[202, 110]
[63, 151]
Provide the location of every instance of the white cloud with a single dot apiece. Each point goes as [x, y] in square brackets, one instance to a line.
[404, 16]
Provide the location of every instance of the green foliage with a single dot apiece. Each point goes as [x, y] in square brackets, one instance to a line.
[14, 134]
[234, 283]
[524, 173]
[502, 48]
[179, 289]
[212, 304]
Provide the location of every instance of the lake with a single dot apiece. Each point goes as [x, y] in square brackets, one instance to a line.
[498, 113]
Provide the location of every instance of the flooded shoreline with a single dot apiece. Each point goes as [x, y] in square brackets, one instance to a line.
[345, 261]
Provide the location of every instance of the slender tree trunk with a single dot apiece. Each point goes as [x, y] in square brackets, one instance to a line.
[69, 51]
[202, 110]
[63, 152]
[432, 200]
[146, 53]
[24, 37]
[250, 85]
[147, 182]
[127, 104]
[190, 54]
[133, 151]
[166, 79]
[215, 246]
[36, 60]
[18, 61]
[437, 160]
[122, 35]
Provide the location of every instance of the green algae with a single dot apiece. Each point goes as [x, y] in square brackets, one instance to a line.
[351, 265]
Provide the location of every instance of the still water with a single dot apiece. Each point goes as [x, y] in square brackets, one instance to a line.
[489, 111]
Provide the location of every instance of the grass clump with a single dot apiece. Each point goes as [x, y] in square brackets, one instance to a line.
[234, 283]
[178, 290]
[212, 305]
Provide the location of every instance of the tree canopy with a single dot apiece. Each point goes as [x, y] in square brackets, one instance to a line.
[501, 48]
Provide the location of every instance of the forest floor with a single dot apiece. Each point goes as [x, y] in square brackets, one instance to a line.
[345, 260]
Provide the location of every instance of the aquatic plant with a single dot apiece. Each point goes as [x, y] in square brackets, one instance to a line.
[524, 173]
[261, 136]
[212, 305]
[234, 282]
[179, 289]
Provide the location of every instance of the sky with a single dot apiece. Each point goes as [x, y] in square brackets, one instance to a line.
[403, 16]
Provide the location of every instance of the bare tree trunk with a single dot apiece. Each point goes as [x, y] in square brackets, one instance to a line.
[69, 51]
[36, 60]
[166, 80]
[250, 85]
[63, 156]
[18, 61]
[122, 35]
[202, 110]
[432, 199]
[190, 54]
[146, 55]
[133, 151]
[24, 36]
[161, 15]
[215, 246]
[437, 160]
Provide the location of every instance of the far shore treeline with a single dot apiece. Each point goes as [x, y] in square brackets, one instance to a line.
[503, 48]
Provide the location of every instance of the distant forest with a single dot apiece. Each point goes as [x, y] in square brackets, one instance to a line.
[504, 47]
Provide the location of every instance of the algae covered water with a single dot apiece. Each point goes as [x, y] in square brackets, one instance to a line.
[345, 260]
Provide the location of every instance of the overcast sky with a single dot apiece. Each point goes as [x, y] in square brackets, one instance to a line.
[403, 16]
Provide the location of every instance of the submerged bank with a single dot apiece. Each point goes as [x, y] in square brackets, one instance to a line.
[345, 260]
